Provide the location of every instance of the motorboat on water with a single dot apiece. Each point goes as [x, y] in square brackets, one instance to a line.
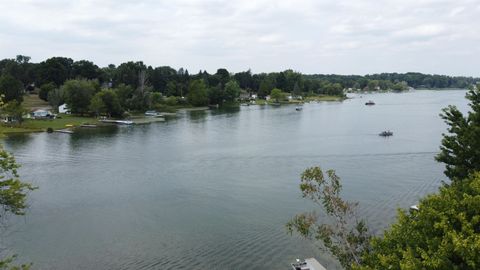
[298, 108]
[370, 102]
[386, 133]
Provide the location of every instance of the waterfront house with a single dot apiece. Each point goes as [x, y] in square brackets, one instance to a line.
[244, 95]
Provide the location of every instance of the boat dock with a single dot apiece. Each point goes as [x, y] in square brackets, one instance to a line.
[119, 122]
[147, 120]
[308, 264]
[65, 130]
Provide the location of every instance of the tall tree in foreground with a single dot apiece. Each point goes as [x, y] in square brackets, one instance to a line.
[443, 234]
[346, 237]
[460, 149]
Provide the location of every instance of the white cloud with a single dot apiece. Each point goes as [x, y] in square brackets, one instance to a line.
[312, 36]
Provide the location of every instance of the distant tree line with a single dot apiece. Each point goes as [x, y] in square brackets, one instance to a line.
[87, 87]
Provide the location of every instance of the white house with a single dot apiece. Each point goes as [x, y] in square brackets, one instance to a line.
[63, 109]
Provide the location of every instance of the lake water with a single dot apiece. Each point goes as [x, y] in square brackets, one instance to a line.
[213, 190]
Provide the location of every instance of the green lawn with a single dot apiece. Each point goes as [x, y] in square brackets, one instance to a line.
[32, 125]
[32, 102]
[324, 98]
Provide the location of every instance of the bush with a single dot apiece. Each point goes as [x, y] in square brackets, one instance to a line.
[171, 101]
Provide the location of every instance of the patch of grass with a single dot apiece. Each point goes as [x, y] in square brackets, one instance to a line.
[324, 98]
[260, 101]
[32, 102]
[32, 125]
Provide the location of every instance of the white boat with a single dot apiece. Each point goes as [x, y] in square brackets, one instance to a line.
[298, 108]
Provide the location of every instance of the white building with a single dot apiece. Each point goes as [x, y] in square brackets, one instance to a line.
[63, 109]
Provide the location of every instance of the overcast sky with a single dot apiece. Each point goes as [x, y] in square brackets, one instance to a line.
[310, 36]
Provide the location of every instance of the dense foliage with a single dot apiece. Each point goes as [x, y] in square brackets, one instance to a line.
[460, 149]
[444, 234]
[135, 83]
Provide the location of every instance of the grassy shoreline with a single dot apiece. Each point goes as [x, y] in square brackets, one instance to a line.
[69, 121]
[32, 125]
[298, 101]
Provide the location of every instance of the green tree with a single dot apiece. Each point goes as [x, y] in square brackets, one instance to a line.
[244, 79]
[13, 195]
[97, 106]
[232, 91]
[85, 70]
[460, 149]
[11, 88]
[160, 77]
[45, 89]
[197, 93]
[106, 101]
[157, 98]
[78, 94]
[172, 89]
[443, 234]
[124, 93]
[216, 94]
[128, 73]
[56, 97]
[222, 75]
[171, 101]
[346, 236]
[266, 86]
[14, 110]
[296, 90]
[55, 69]
[141, 97]
[400, 86]
[277, 95]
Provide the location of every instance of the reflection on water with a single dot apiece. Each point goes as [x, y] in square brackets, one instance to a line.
[213, 189]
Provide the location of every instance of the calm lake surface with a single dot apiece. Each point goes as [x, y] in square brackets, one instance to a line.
[213, 190]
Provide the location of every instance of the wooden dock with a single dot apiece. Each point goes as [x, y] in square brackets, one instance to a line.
[65, 130]
[118, 122]
[147, 120]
